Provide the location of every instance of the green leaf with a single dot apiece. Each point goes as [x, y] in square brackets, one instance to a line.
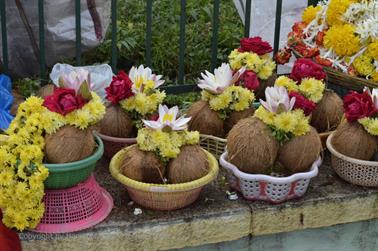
[84, 91]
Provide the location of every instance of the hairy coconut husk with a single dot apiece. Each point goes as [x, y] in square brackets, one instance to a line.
[17, 100]
[205, 120]
[298, 154]
[190, 164]
[235, 116]
[69, 144]
[260, 92]
[46, 90]
[251, 146]
[142, 166]
[352, 140]
[116, 123]
[328, 112]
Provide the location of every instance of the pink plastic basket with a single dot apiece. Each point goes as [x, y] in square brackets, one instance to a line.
[75, 208]
[269, 187]
[114, 144]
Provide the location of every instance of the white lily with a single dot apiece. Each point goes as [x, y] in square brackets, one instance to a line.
[167, 118]
[222, 78]
[277, 100]
[75, 78]
[374, 95]
[143, 78]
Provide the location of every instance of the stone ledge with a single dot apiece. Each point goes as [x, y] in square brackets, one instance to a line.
[213, 218]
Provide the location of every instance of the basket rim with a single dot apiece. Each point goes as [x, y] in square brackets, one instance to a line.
[263, 177]
[162, 188]
[116, 139]
[207, 136]
[76, 165]
[346, 158]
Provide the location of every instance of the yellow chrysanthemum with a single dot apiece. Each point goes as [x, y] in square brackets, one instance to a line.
[364, 64]
[312, 88]
[302, 126]
[142, 103]
[264, 115]
[309, 13]
[342, 39]
[336, 10]
[373, 50]
[370, 125]
[286, 82]
[267, 69]
[375, 76]
[285, 121]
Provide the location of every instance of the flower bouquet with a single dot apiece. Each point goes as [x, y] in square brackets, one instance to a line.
[341, 35]
[167, 168]
[354, 144]
[306, 84]
[131, 98]
[54, 130]
[223, 104]
[277, 140]
[253, 54]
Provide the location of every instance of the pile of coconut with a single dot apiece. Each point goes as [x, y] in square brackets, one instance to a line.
[356, 137]
[224, 102]
[166, 152]
[278, 138]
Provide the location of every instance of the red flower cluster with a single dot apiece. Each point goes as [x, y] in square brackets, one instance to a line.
[120, 88]
[306, 68]
[358, 106]
[256, 45]
[249, 80]
[303, 103]
[64, 101]
[283, 56]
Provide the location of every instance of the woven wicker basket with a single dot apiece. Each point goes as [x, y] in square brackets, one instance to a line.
[114, 144]
[212, 144]
[355, 171]
[161, 196]
[323, 137]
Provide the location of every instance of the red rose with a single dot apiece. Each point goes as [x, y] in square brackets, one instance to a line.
[249, 80]
[306, 68]
[358, 106]
[120, 88]
[283, 56]
[303, 103]
[256, 45]
[63, 101]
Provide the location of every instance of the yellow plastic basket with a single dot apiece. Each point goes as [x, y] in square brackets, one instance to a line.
[212, 144]
[162, 196]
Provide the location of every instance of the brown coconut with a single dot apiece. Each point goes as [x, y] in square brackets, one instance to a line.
[251, 146]
[69, 144]
[328, 113]
[142, 166]
[260, 92]
[116, 123]
[298, 154]
[205, 120]
[46, 90]
[235, 116]
[190, 164]
[352, 140]
[17, 100]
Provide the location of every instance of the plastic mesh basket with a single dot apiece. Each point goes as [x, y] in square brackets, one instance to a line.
[114, 144]
[76, 208]
[355, 171]
[70, 174]
[270, 188]
[212, 144]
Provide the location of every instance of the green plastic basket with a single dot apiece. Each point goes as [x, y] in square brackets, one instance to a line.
[70, 174]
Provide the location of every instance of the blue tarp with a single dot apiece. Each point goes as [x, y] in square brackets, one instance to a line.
[6, 101]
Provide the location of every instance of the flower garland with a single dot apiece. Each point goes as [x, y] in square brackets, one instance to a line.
[279, 114]
[167, 135]
[363, 107]
[338, 33]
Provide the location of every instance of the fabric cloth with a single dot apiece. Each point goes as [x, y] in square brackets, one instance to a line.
[9, 240]
[6, 101]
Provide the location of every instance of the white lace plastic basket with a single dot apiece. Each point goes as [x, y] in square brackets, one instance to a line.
[266, 187]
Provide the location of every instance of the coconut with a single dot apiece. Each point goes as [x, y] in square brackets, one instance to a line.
[235, 116]
[260, 92]
[352, 140]
[190, 164]
[17, 100]
[205, 120]
[298, 154]
[46, 90]
[328, 113]
[69, 144]
[251, 146]
[116, 123]
[142, 166]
